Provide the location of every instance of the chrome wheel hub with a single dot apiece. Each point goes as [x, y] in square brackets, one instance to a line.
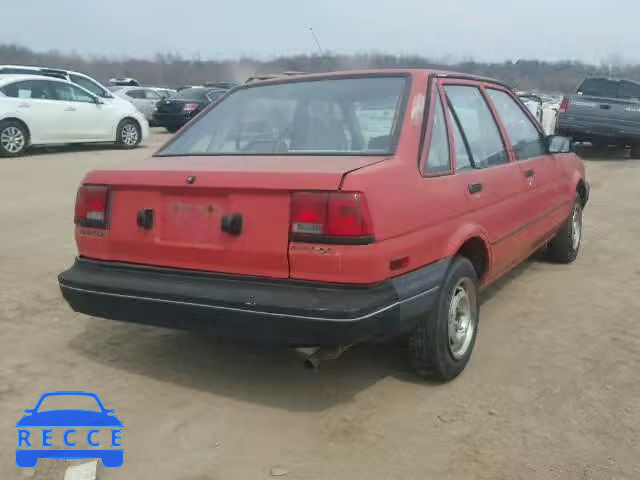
[461, 318]
[576, 227]
[129, 134]
[12, 139]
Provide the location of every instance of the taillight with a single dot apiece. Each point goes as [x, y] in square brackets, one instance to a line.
[564, 105]
[190, 107]
[330, 217]
[92, 206]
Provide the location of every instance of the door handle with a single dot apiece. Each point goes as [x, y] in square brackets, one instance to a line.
[24, 105]
[604, 106]
[529, 173]
[70, 109]
[475, 187]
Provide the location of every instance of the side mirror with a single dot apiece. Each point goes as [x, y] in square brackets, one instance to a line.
[98, 101]
[559, 144]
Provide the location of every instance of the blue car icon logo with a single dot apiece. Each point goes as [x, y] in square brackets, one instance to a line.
[36, 431]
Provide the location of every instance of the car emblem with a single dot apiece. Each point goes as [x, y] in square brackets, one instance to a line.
[191, 179]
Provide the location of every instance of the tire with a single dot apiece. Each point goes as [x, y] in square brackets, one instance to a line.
[564, 247]
[128, 134]
[14, 138]
[635, 150]
[172, 129]
[437, 351]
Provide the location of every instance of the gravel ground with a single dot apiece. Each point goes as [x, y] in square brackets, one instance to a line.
[551, 392]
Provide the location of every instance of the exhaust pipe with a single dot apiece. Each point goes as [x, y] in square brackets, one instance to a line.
[321, 354]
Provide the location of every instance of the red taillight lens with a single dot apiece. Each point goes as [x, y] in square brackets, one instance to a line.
[564, 105]
[92, 206]
[190, 107]
[309, 213]
[331, 217]
[349, 215]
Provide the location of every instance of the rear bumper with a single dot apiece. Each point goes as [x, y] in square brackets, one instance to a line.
[585, 129]
[171, 119]
[251, 308]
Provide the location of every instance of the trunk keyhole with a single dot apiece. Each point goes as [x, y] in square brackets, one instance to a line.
[232, 224]
[145, 218]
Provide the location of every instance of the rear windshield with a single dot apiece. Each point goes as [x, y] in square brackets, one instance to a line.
[191, 93]
[333, 116]
[605, 87]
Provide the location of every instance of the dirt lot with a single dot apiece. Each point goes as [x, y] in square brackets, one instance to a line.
[552, 391]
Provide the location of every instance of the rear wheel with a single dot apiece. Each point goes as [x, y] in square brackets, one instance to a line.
[14, 138]
[635, 150]
[441, 343]
[128, 134]
[565, 245]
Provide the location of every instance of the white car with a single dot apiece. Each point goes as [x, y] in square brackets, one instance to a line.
[143, 98]
[39, 110]
[163, 91]
[85, 81]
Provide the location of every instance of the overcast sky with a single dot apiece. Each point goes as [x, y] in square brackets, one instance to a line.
[588, 30]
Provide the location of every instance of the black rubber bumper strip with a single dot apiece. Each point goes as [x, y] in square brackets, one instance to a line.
[281, 311]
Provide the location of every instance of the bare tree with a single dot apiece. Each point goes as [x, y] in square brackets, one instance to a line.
[171, 69]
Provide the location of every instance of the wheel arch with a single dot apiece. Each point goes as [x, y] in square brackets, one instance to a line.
[474, 245]
[21, 122]
[126, 117]
[582, 190]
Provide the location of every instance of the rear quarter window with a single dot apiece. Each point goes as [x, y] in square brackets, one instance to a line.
[599, 87]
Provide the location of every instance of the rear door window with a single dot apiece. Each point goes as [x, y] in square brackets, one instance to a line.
[629, 90]
[135, 94]
[151, 95]
[70, 93]
[476, 121]
[599, 87]
[526, 140]
[32, 89]
[90, 85]
[463, 159]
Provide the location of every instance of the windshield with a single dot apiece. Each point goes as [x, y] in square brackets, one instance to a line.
[332, 116]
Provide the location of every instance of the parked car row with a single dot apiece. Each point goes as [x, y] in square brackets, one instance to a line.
[174, 112]
[144, 99]
[40, 106]
[168, 108]
[43, 110]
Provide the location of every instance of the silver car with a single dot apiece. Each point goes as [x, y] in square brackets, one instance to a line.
[143, 98]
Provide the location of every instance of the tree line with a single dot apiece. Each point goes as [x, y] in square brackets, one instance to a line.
[174, 70]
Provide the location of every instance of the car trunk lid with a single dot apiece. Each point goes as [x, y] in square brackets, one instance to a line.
[175, 106]
[227, 214]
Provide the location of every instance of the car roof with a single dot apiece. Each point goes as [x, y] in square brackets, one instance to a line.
[5, 79]
[59, 71]
[35, 69]
[612, 79]
[126, 88]
[374, 72]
